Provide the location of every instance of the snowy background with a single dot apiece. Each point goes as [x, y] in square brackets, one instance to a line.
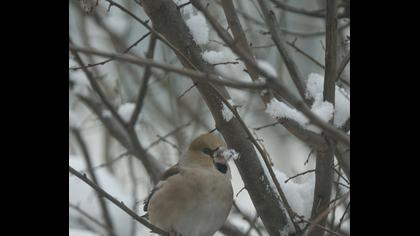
[165, 111]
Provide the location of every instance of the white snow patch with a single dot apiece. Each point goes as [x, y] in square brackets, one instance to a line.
[299, 195]
[229, 154]
[224, 54]
[81, 83]
[277, 110]
[126, 110]
[315, 88]
[198, 28]
[226, 112]
[213, 56]
[323, 110]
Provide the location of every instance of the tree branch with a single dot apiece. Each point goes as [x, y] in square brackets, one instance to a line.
[325, 159]
[119, 204]
[272, 81]
[291, 66]
[144, 85]
[167, 20]
[104, 207]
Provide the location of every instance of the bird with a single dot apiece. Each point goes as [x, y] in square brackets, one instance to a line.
[193, 197]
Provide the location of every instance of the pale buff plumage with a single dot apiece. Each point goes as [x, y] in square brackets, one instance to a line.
[194, 197]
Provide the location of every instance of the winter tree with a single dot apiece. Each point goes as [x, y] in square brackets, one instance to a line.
[272, 77]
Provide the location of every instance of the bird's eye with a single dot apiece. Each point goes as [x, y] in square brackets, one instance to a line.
[207, 151]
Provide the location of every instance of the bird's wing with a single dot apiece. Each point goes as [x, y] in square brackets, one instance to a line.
[174, 170]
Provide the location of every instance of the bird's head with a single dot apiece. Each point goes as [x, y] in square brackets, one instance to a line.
[206, 151]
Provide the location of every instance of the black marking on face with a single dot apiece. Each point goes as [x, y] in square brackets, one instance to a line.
[209, 152]
[221, 167]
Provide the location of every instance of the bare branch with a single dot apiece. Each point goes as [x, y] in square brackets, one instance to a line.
[293, 69]
[272, 82]
[202, 77]
[91, 218]
[325, 159]
[300, 174]
[104, 207]
[110, 59]
[119, 204]
[144, 85]
[314, 13]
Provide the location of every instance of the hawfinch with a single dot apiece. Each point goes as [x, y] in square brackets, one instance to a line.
[194, 196]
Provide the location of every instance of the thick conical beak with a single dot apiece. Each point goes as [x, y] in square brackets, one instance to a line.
[218, 156]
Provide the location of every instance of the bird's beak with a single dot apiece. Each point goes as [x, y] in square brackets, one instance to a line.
[218, 157]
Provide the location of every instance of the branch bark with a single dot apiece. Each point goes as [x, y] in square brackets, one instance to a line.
[325, 159]
[291, 66]
[88, 160]
[168, 21]
[116, 202]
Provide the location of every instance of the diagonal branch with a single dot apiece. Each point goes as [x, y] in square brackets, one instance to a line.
[167, 20]
[88, 160]
[273, 82]
[119, 204]
[279, 41]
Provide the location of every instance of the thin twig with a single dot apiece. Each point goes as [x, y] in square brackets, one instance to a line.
[144, 85]
[111, 59]
[119, 157]
[134, 191]
[203, 77]
[187, 90]
[266, 126]
[272, 81]
[303, 173]
[324, 214]
[247, 218]
[343, 65]
[342, 217]
[278, 40]
[91, 218]
[341, 176]
[226, 63]
[312, 13]
[170, 143]
[88, 160]
[168, 134]
[95, 85]
[116, 202]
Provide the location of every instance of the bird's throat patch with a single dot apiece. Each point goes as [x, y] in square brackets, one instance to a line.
[221, 167]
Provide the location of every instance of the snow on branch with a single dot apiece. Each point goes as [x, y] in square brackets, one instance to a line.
[325, 110]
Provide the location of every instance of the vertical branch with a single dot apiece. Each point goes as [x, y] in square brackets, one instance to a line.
[91, 171]
[325, 159]
[274, 28]
[144, 84]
